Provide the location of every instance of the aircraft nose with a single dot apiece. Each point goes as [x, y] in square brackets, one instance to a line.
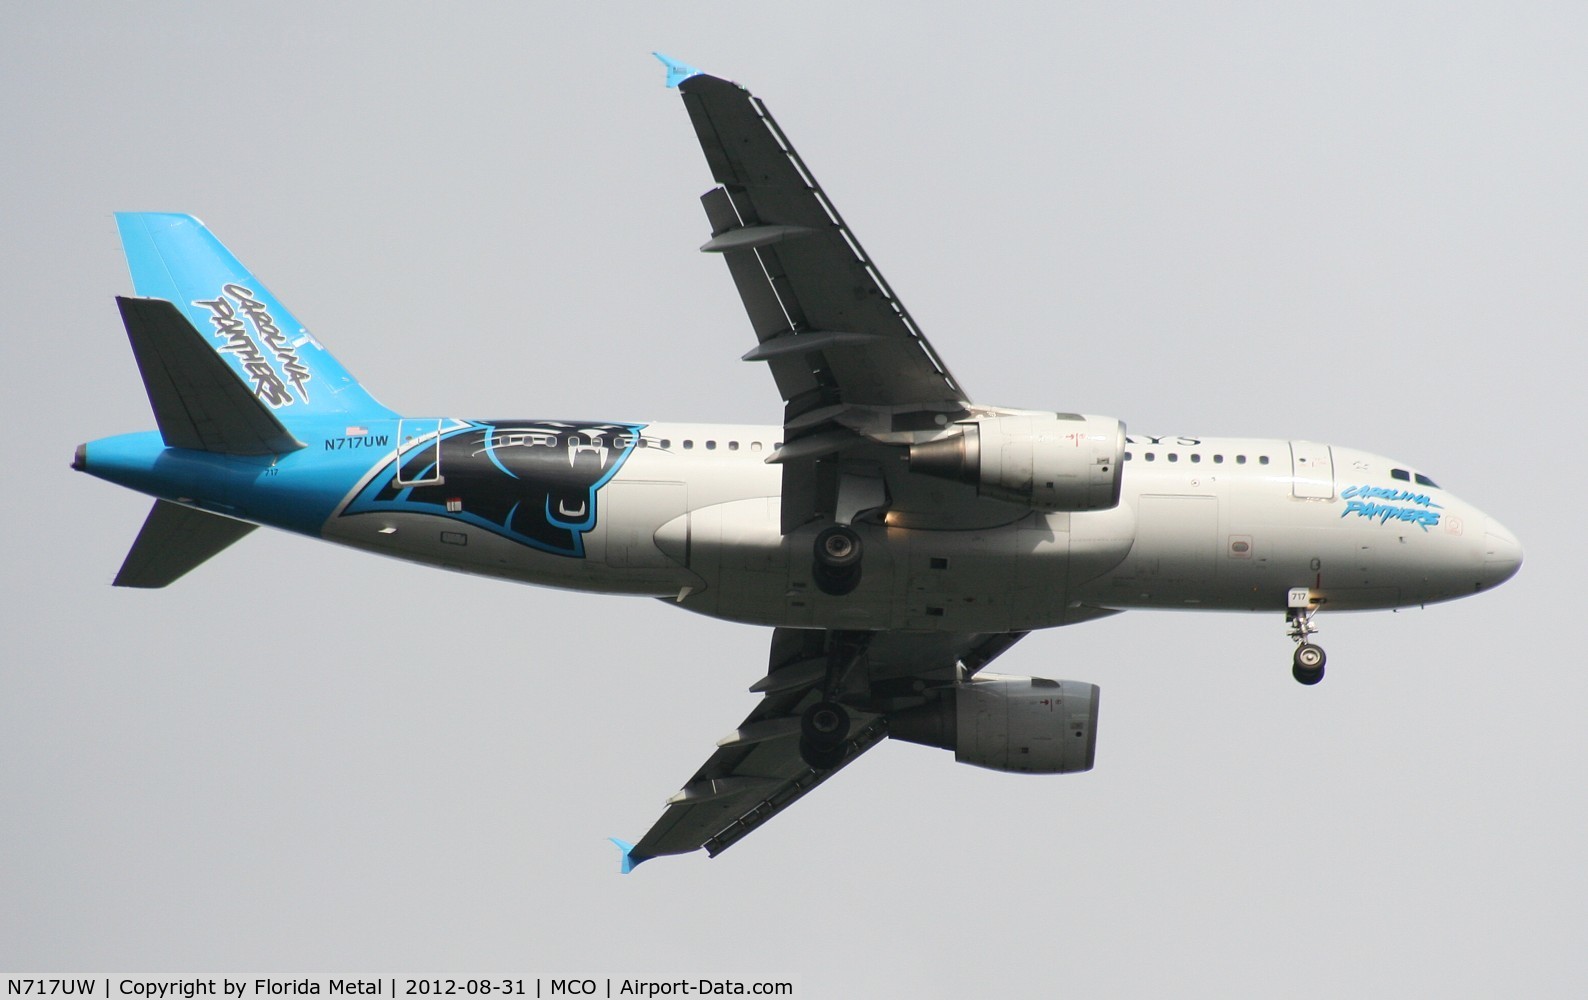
[1502, 554]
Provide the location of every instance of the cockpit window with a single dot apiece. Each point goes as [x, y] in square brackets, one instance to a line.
[1405, 476]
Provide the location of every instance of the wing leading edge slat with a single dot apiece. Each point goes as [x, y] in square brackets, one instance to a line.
[800, 269]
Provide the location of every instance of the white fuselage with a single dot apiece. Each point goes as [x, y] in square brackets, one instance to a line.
[1203, 523]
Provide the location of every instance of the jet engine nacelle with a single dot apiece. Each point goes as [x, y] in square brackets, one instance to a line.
[1048, 461]
[1007, 723]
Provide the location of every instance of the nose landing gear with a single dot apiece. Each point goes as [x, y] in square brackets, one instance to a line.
[1307, 664]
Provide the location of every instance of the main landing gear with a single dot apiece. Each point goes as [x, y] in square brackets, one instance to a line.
[837, 556]
[824, 726]
[1307, 664]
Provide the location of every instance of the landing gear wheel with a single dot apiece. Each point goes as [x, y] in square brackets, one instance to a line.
[823, 730]
[1306, 676]
[825, 724]
[837, 555]
[837, 584]
[838, 547]
[821, 758]
[1310, 657]
[1307, 664]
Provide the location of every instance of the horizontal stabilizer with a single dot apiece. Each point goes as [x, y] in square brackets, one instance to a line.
[198, 402]
[176, 539]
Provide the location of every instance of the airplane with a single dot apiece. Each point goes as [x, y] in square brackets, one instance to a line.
[897, 536]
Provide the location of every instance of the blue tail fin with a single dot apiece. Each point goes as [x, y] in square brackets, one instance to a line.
[173, 257]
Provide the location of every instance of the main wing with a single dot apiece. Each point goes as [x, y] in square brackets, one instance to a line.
[854, 370]
[857, 379]
[757, 771]
[829, 326]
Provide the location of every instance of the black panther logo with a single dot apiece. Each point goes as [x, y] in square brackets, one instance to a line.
[534, 481]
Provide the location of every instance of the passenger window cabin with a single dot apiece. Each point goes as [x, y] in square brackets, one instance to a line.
[1195, 457]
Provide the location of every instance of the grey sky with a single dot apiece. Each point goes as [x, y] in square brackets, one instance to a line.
[1355, 223]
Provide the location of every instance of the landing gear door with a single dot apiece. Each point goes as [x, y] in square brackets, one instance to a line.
[1312, 469]
[419, 452]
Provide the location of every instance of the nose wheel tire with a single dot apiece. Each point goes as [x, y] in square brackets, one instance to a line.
[1307, 665]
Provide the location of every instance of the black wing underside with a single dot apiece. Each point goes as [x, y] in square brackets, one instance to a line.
[757, 770]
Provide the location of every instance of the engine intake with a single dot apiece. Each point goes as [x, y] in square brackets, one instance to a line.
[1007, 723]
[1050, 462]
